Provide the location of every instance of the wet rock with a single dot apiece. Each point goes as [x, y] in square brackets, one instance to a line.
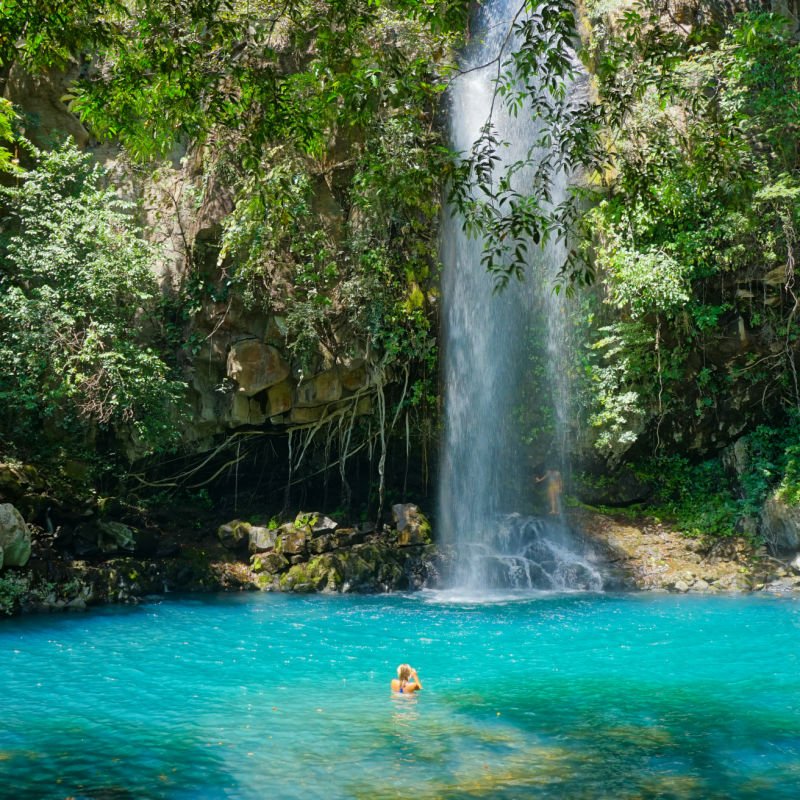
[15, 538]
[313, 576]
[783, 585]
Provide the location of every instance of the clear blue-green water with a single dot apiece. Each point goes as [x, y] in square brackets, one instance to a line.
[269, 696]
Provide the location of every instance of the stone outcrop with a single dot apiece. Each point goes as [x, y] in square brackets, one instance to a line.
[780, 525]
[40, 96]
[652, 556]
[255, 366]
[15, 538]
[314, 554]
[319, 390]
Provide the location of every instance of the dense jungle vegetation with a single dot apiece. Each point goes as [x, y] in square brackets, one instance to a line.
[682, 224]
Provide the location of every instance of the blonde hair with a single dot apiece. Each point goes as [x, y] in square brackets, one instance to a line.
[404, 672]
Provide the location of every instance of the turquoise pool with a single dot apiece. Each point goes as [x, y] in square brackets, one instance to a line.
[270, 696]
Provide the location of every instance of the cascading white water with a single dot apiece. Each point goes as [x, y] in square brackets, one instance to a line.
[485, 475]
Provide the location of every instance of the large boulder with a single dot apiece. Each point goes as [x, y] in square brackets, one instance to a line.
[272, 563]
[780, 524]
[15, 538]
[353, 376]
[244, 410]
[280, 397]
[255, 366]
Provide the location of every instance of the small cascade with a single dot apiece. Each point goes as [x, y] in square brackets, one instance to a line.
[535, 553]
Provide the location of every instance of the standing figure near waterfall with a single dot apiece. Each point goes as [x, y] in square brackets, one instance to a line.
[554, 488]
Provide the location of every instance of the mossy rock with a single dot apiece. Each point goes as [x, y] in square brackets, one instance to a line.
[234, 535]
[311, 576]
[291, 540]
[271, 563]
[413, 528]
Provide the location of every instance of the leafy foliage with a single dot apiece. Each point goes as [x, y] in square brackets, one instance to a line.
[318, 119]
[696, 224]
[537, 66]
[77, 315]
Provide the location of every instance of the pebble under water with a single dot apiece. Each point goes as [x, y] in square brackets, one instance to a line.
[548, 696]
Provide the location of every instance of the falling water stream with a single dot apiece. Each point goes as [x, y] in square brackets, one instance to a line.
[486, 476]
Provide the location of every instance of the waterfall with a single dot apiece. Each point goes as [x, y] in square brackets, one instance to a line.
[487, 475]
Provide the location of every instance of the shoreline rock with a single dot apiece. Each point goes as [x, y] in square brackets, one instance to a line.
[655, 557]
[310, 554]
[313, 553]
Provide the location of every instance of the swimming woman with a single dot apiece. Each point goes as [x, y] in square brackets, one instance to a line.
[407, 680]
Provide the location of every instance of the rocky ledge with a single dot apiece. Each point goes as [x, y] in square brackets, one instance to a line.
[315, 554]
[652, 556]
[103, 561]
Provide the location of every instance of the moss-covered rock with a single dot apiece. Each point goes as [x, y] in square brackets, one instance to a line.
[15, 538]
[412, 526]
[291, 540]
[271, 563]
[234, 535]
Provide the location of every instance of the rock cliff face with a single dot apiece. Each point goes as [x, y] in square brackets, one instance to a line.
[238, 357]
